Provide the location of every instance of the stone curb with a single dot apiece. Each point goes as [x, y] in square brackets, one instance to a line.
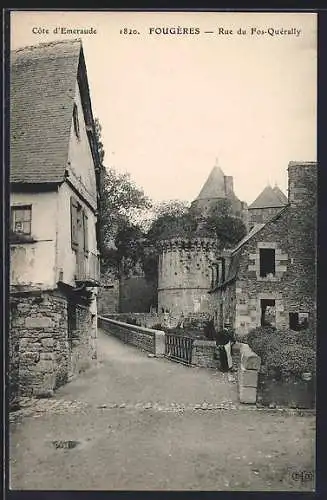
[38, 407]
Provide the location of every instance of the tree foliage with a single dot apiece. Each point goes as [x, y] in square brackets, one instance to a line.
[222, 224]
[123, 207]
[121, 204]
[98, 129]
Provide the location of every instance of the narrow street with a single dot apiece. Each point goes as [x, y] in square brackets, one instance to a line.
[134, 422]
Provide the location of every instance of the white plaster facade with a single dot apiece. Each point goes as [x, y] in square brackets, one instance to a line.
[49, 257]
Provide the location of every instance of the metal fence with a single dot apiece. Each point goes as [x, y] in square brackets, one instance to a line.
[178, 348]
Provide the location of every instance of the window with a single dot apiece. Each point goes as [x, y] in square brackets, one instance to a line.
[74, 209]
[79, 226]
[267, 262]
[299, 321]
[76, 122]
[21, 218]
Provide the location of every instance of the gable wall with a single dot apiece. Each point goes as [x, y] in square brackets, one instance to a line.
[80, 160]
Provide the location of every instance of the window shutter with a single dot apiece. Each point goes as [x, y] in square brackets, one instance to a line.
[73, 218]
[86, 235]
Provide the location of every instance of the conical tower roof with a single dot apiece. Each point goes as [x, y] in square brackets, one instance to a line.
[214, 187]
[269, 198]
[279, 193]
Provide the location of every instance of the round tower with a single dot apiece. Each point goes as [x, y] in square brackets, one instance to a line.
[185, 275]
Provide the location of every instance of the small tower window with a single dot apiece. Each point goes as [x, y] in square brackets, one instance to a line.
[76, 122]
[267, 262]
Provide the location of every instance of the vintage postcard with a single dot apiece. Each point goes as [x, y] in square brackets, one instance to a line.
[163, 201]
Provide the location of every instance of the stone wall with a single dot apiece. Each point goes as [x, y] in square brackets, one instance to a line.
[108, 298]
[13, 357]
[205, 354]
[83, 341]
[147, 339]
[302, 239]
[163, 320]
[250, 288]
[40, 322]
[47, 358]
[185, 276]
[147, 320]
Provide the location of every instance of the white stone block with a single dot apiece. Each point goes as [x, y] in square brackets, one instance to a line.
[281, 269]
[249, 360]
[248, 395]
[38, 322]
[159, 343]
[248, 378]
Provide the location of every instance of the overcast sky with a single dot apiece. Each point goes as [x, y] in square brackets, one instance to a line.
[169, 105]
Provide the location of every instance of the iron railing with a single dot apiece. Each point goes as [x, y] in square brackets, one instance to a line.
[178, 348]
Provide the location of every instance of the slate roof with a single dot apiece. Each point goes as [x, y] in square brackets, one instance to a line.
[270, 198]
[279, 193]
[248, 236]
[43, 80]
[214, 187]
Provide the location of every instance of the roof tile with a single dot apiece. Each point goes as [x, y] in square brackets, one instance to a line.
[43, 80]
[269, 198]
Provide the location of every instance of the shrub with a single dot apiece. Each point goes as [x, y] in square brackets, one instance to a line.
[293, 359]
[284, 352]
[262, 340]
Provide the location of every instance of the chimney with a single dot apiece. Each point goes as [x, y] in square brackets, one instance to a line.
[302, 183]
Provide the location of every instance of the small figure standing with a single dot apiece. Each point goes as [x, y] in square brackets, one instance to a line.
[225, 339]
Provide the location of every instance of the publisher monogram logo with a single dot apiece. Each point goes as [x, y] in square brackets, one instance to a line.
[303, 476]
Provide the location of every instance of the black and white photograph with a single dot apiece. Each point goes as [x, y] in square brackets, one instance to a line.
[163, 250]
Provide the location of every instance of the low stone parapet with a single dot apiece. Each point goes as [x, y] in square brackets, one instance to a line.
[148, 339]
[204, 354]
[248, 374]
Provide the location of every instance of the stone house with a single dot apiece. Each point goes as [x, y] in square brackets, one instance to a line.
[269, 278]
[54, 180]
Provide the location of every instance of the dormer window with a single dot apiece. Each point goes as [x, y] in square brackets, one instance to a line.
[76, 122]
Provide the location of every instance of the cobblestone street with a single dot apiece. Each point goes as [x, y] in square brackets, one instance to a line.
[134, 422]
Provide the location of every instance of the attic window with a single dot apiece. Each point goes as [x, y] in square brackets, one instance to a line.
[267, 262]
[76, 122]
[21, 218]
